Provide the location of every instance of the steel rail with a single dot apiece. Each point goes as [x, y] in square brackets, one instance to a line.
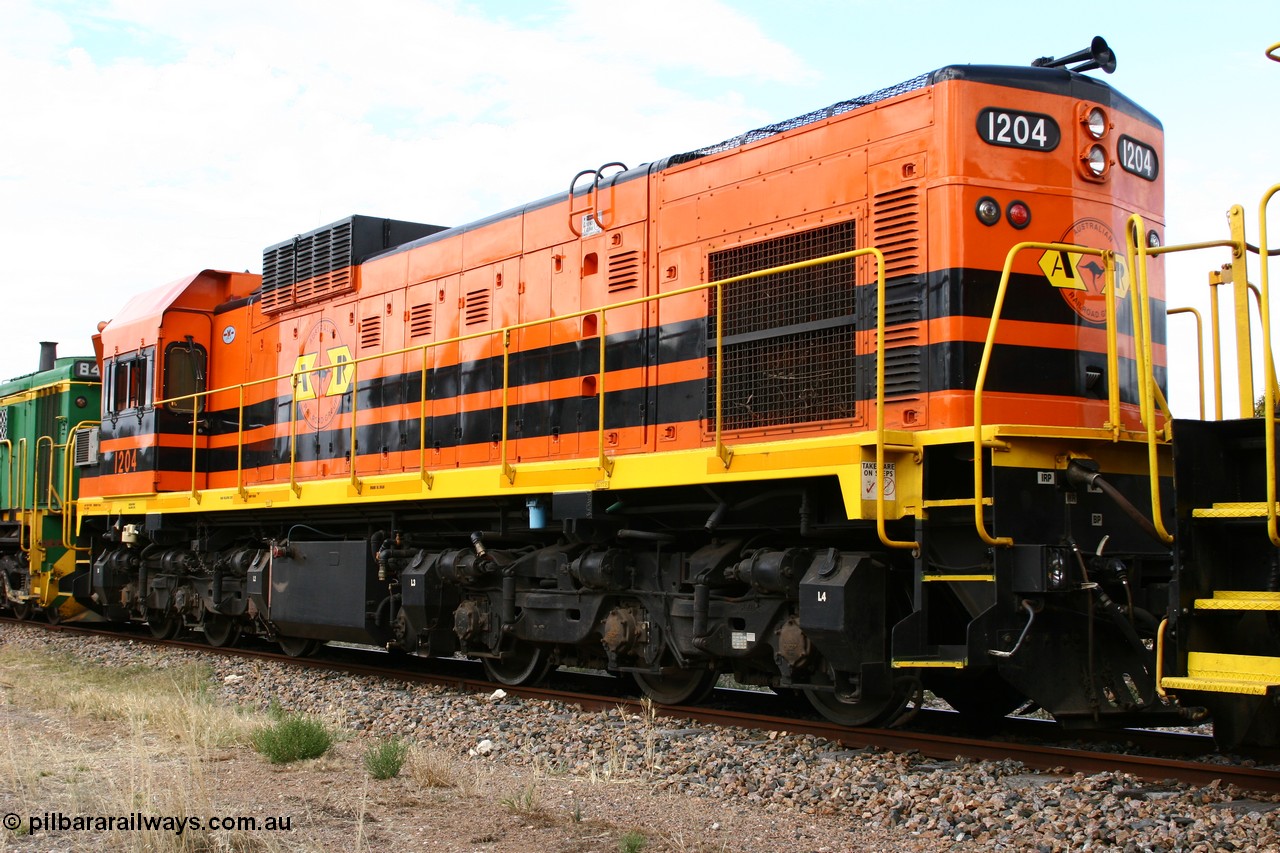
[728, 711]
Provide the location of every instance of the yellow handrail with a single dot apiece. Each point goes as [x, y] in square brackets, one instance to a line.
[68, 475]
[1199, 347]
[49, 492]
[1149, 396]
[507, 470]
[7, 502]
[356, 482]
[1108, 259]
[1269, 368]
[1257, 297]
[603, 460]
[880, 438]
[22, 497]
[1136, 244]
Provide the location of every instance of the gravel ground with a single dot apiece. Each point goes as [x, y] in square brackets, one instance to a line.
[775, 791]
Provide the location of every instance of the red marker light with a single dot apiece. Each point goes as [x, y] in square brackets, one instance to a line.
[1018, 214]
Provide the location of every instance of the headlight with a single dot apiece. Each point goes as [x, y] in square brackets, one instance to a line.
[1153, 240]
[988, 210]
[1096, 123]
[1097, 161]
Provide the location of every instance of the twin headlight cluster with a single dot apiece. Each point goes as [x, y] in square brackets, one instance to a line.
[1095, 159]
[1095, 164]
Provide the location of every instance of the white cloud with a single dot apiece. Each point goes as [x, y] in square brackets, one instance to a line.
[151, 139]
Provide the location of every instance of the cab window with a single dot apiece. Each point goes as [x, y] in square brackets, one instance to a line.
[184, 374]
[130, 383]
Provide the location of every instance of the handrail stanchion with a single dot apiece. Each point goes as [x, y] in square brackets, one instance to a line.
[422, 420]
[6, 490]
[356, 482]
[1215, 340]
[1240, 293]
[1268, 368]
[293, 438]
[725, 453]
[507, 470]
[195, 425]
[24, 547]
[1137, 253]
[1199, 347]
[71, 508]
[48, 493]
[241, 489]
[604, 462]
[1113, 351]
[881, 530]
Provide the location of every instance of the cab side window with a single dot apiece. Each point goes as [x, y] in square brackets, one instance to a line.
[184, 373]
[129, 385]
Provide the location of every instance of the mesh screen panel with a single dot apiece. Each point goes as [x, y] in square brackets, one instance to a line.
[789, 354]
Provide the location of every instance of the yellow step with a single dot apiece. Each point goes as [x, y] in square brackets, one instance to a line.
[1253, 675]
[931, 663]
[1240, 600]
[1249, 509]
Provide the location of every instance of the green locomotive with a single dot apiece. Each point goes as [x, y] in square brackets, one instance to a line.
[48, 423]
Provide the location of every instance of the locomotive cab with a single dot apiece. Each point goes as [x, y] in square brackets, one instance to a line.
[156, 361]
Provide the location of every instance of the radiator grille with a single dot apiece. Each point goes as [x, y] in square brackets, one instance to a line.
[789, 338]
[319, 264]
[310, 268]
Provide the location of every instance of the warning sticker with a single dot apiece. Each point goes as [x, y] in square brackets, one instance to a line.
[869, 481]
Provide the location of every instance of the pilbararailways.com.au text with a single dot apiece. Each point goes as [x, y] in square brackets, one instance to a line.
[140, 822]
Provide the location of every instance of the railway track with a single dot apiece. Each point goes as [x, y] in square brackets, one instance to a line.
[1040, 745]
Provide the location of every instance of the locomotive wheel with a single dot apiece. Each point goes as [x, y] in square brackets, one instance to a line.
[53, 614]
[677, 686]
[221, 631]
[523, 665]
[164, 626]
[299, 647]
[21, 610]
[865, 712]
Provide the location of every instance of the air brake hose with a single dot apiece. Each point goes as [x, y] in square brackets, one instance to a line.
[1078, 474]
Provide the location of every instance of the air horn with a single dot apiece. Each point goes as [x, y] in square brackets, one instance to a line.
[1096, 55]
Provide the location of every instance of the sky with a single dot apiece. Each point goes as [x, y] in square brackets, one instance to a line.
[145, 140]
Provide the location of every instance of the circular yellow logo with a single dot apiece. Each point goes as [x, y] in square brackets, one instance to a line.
[324, 373]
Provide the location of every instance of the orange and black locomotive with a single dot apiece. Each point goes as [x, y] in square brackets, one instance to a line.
[857, 404]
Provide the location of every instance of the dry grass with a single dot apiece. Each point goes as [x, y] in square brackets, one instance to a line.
[433, 768]
[96, 740]
[171, 703]
[160, 732]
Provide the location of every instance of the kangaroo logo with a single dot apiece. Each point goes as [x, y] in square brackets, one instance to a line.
[1081, 278]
